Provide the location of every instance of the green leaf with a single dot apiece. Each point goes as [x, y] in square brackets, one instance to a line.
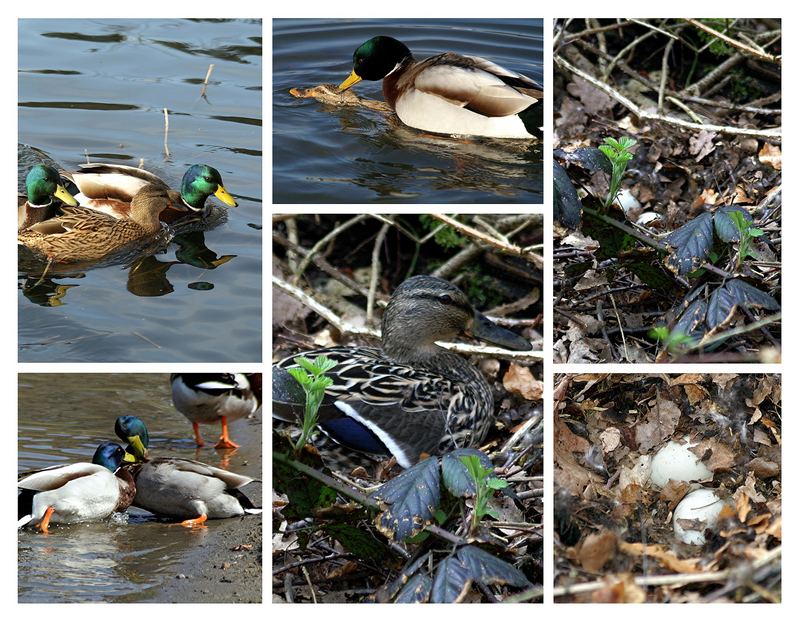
[458, 477]
[410, 500]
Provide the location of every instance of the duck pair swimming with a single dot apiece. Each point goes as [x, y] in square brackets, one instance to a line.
[450, 93]
[410, 396]
[169, 487]
[119, 205]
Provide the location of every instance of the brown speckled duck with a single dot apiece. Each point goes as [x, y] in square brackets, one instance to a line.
[83, 235]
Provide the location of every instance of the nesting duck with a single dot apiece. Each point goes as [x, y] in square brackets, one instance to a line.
[76, 492]
[181, 488]
[42, 185]
[410, 396]
[215, 398]
[450, 93]
[83, 235]
[110, 189]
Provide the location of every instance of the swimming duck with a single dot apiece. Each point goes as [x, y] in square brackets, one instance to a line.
[181, 488]
[76, 492]
[110, 188]
[450, 93]
[212, 398]
[410, 396]
[82, 235]
[42, 184]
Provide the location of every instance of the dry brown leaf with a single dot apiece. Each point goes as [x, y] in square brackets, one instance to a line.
[622, 590]
[702, 144]
[770, 155]
[596, 550]
[666, 557]
[722, 456]
[520, 381]
[660, 423]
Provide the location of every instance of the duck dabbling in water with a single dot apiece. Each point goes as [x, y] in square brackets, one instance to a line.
[184, 489]
[76, 492]
[410, 396]
[450, 93]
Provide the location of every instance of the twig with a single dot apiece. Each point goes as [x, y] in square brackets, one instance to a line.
[310, 585]
[375, 270]
[769, 134]
[733, 332]
[761, 55]
[324, 241]
[714, 77]
[205, 81]
[682, 579]
[471, 232]
[664, 74]
[166, 133]
[299, 563]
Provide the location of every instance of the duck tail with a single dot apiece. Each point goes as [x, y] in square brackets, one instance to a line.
[533, 119]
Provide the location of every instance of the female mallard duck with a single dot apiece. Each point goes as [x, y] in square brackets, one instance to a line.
[212, 398]
[110, 189]
[181, 488]
[83, 235]
[410, 396]
[76, 492]
[450, 93]
[42, 184]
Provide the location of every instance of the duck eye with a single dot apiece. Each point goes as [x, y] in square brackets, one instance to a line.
[446, 300]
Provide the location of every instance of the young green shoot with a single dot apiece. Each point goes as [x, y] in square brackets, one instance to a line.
[747, 232]
[311, 377]
[675, 341]
[619, 153]
[485, 486]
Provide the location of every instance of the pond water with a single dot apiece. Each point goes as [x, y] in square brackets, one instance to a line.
[96, 90]
[130, 557]
[326, 154]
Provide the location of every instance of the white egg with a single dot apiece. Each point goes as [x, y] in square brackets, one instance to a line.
[702, 508]
[675, 461]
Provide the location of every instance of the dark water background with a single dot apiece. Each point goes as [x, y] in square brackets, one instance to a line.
[325, 154]
[96, 89]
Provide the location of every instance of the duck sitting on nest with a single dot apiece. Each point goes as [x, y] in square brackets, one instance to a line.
[411, 396]
[83, 235]
[110, 189]
[450, 93]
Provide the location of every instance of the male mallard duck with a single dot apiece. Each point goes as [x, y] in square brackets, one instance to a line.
[110, 189]
[410, 396]
[42, 184]
[450, 93]
[181, 488]
[211, 398]
[83, 235]
[76, 492]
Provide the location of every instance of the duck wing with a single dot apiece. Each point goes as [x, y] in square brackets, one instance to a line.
[98, 181]
[58, 476]
[74, 218]
[474, 83]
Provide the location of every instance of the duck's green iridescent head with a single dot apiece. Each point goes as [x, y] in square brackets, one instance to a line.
[109, 455]
[375, 59]
[132, 430]
[42, 183]
[201, 181]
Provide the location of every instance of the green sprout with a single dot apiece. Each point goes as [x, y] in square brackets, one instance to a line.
[747, 232]
[311, 377]
[485, 486]
[618, 152]
[675, 341]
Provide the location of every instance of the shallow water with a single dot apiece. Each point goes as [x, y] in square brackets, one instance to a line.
[325, 154]
[96, 89]
[129, 557]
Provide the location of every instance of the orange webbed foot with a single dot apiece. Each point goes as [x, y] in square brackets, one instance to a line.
[45, 523]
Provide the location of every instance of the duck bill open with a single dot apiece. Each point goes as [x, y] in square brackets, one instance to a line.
[486, 330]
[352, 80]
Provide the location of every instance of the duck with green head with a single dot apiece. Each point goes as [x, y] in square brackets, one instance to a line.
[450, 93]
[84, 235]
[42, 185]
[410, 396]
[76, 492]
[184, 489]
[110, 188]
